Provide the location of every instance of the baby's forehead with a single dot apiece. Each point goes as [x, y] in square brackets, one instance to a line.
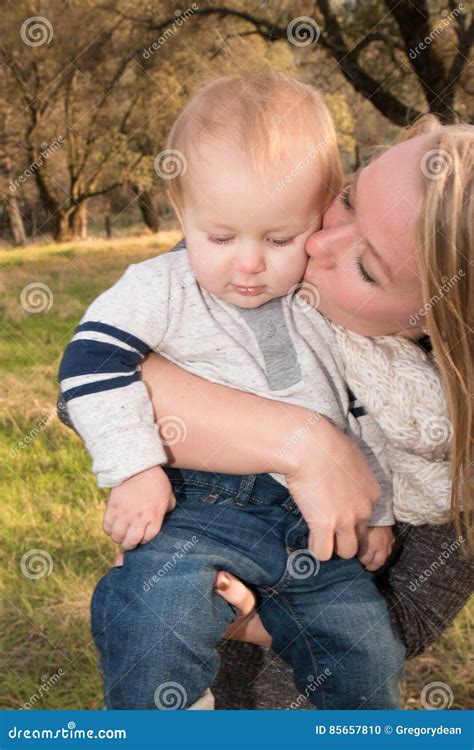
[222, 169]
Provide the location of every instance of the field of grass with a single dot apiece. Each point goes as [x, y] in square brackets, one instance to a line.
[53, 550]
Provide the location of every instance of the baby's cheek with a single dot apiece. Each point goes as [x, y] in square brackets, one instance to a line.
[295, 269]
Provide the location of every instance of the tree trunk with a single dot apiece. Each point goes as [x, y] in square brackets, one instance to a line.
[12, 207]
[15, 218]
[79, 222]
[149, 214]
[61, 226]
[108, 226]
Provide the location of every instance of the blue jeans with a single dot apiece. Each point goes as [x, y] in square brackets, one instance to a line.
[157, 621]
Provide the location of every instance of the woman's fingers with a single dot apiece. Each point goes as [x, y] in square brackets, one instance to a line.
[248, 626]
[321, 541]
[235, 592]
[346, 541]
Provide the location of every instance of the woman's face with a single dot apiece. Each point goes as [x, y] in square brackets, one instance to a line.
[363, 261]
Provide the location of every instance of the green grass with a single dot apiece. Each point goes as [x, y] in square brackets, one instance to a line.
[50, 501]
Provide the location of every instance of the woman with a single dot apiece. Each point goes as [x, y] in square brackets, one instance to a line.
[409, 216]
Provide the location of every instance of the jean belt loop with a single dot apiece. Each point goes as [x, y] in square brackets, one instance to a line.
[246, 488]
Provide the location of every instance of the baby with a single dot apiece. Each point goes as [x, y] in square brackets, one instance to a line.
[256, 166]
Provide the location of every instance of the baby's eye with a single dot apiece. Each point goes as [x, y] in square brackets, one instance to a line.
[221, 240]
[283, 242]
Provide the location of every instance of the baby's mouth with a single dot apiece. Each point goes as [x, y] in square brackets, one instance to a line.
[248, 290]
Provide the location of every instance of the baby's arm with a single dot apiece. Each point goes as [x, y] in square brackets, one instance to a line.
[376, 543]
[109, 405]
[137, 506]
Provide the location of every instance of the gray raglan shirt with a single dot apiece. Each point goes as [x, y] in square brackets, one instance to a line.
[284, 350]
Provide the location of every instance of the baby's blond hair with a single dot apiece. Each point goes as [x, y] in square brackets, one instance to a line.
[265, 116]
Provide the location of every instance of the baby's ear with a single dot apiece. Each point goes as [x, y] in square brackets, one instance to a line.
[178, 211]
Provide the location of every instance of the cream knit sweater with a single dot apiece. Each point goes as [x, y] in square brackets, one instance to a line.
[400, 386]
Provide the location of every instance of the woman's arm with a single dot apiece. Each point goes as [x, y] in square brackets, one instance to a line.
[427, 584]
[222, 429]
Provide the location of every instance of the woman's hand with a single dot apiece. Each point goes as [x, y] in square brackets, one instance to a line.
[235, 432]
[334, 488]
[248, 626]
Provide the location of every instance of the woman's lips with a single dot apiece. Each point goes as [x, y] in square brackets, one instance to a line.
[248, 291]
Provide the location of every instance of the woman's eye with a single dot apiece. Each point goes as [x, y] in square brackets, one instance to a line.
[345, 198]
[282, 243]
[363, 272]
[221, 240]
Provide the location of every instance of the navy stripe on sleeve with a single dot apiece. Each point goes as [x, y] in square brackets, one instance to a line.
[99, 386]
[118, 333]
[88, 357]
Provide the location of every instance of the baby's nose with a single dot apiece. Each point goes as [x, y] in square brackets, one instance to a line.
[250, 262]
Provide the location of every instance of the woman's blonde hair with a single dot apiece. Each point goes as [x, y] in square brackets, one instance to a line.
[265, 116]
[445, 242]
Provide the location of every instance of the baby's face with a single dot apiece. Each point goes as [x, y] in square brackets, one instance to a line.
[246, 236]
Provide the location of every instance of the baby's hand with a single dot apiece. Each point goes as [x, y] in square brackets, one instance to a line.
[136, 508]
[375, 546]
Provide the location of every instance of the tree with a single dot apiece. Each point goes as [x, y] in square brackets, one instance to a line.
[405, 57]
[77, 117]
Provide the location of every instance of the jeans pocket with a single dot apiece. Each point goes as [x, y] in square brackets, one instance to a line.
[201, 492]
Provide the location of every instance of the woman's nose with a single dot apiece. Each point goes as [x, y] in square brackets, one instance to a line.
[320, 246]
